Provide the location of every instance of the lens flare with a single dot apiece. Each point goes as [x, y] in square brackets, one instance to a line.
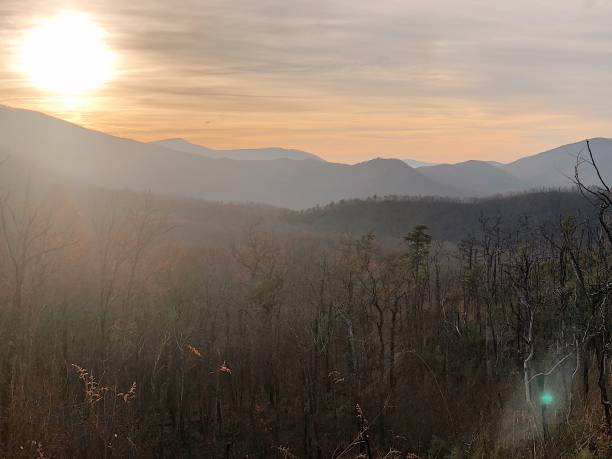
[547, 398]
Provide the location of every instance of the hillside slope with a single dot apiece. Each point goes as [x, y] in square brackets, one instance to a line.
[552, 168]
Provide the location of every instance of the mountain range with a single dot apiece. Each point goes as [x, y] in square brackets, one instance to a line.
[250, 153]
[273, 176]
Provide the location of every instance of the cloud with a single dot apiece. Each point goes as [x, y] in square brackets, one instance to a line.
[347, 79]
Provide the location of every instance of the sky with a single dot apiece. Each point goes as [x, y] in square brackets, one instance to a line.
[435, 80]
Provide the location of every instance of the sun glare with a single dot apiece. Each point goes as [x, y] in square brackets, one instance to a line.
[66, 55]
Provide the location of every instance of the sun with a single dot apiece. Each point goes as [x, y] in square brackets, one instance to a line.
[66, 55]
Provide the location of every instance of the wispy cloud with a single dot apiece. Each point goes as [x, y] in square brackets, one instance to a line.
[438, 80]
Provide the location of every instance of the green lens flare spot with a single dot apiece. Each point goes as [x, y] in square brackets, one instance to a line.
[547, 398]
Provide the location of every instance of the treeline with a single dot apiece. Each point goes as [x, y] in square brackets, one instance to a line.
[449, 219]
[118, 339]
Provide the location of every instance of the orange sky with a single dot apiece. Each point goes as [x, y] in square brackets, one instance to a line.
[347, 80]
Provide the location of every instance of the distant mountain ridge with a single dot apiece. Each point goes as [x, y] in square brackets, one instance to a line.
[478, 177]
[553, 168]
[71, 151]
[548, 167]
[246, 153]
[92, 157]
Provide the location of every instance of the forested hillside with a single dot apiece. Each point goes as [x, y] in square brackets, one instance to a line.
[143, 326]
[448, 219]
